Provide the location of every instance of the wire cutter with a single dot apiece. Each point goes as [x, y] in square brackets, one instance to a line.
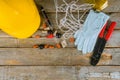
[103, 37]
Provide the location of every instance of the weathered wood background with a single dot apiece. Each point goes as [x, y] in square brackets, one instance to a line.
[19, 61]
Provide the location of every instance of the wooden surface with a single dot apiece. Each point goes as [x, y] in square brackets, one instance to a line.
[19, 61]
[59, 73]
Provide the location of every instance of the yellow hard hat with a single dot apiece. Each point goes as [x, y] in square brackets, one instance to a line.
[19, 18]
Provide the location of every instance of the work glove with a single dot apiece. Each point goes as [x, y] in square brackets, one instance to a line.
[87, 36]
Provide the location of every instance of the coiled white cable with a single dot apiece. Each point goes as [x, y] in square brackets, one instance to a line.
[69, 24]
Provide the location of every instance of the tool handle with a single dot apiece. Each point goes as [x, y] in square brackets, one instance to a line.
[98, 50]
[110, 31]
[102, 31]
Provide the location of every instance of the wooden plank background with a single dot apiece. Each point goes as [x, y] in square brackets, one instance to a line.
[19, 61]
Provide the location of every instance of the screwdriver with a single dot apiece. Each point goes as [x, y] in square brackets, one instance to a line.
[44, 14]
[46, 17]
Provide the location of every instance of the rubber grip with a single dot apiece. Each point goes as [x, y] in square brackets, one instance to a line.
[111, 28]
[102, 31]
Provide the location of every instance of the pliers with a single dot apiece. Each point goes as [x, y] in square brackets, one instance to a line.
[103, 37]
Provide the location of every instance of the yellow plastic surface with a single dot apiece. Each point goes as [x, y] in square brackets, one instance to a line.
[99, 4]
[19, 18]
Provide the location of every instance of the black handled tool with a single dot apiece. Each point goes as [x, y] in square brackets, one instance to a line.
[44, 14]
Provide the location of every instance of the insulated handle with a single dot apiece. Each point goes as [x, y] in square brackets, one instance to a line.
[111, 28]
[102, 31]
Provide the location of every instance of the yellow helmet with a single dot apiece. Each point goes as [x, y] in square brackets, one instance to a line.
[19, 18]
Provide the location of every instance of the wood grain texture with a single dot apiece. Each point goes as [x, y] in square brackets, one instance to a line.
[37, 73]
[59, 73]
[54, 57]
[19, 61]
[7, 41]
[50, 7]
[99, 73]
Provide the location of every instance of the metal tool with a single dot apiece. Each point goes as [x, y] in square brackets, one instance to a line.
[44, 14]
[102, 39]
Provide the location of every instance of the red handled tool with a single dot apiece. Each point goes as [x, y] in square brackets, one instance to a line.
[103, 37]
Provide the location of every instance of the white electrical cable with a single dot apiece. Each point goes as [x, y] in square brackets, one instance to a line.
[69, 24]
